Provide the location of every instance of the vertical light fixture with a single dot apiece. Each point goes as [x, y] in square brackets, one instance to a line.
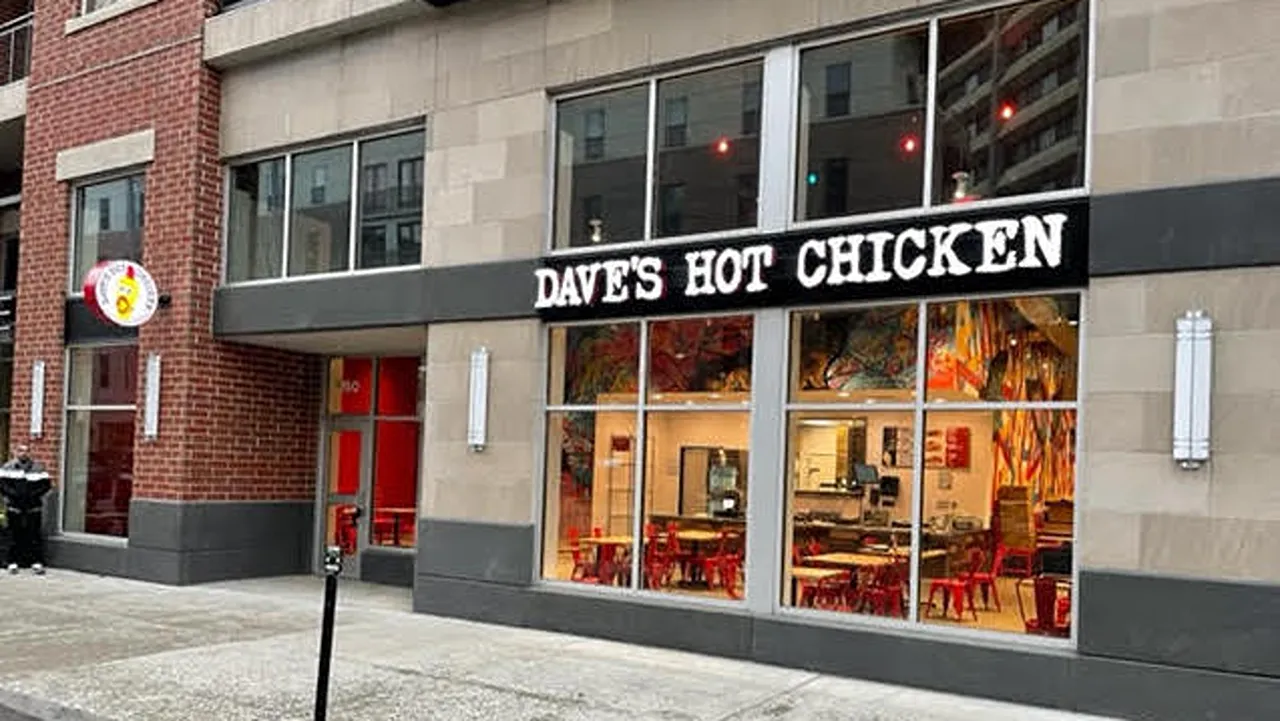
[478, 416]
[37, 399]
[151, 411]
[1192, 389]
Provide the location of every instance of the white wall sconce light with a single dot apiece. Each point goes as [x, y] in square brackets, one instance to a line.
[478, 415]
[1192, 389]
[37, 399]
[151, 409]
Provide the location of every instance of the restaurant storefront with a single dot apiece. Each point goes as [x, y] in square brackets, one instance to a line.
[814, 330]
[719, 429]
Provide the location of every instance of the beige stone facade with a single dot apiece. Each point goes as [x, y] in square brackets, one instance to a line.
[1140, 512]
[1184, 94]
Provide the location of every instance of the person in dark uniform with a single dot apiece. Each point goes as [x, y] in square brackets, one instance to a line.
[24, 483]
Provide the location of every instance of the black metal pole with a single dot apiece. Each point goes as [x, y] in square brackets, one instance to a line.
[332, 567]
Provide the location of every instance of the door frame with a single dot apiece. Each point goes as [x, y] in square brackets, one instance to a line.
[361, 499]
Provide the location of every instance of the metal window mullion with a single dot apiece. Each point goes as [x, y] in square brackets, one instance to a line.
[354, 202]
[849, 407]
[767, 502]
[1081, 357]
[287, 224]
[638, 467]
[651, 163]
[777, 139]
[917, 460]
[930, 106]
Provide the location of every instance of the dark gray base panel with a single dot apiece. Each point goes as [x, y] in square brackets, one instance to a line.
[492, 552]
[1213, 625]
[1060, 679]
[387, 568]
[185, 543]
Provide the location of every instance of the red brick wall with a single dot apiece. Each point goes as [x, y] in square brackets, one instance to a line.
[236, 422]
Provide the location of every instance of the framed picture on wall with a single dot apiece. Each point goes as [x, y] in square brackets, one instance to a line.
[895, 447]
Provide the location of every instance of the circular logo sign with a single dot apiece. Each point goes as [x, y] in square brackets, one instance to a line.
[121, 292]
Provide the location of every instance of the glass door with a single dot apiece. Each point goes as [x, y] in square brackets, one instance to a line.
[347, 453]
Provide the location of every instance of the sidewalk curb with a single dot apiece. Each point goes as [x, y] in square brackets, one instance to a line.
[43, 709]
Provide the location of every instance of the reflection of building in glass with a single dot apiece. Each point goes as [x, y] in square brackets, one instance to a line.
[705, 133]
[1011, 102]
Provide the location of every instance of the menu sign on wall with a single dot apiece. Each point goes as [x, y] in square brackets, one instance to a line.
[1007, 249]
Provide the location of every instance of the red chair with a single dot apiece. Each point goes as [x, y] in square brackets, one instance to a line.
[834, 593]
[1026, 556]
[657, 563]
[721, 568]
[955, 589]
[985, 579]
[680, 559]
[886, 591]
[1052, 617]
[581, 567]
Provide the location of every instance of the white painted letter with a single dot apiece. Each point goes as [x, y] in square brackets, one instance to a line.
[569, 296]
[811, 279]
[699, 281]
[996, 255]
[878, 242]
[728, 271]
[649, 282]
[945, 260]
[757, 258]
[915, 236]
[587, 277]
[1035, 237]
[845, 259]
[615, 281]
[548, 287]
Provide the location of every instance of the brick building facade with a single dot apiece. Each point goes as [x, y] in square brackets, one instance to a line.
[838, 335]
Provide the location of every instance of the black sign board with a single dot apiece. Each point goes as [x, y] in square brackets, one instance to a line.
[1036, 247]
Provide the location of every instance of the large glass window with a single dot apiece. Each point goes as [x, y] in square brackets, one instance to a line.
[703, 137]
[102, 385]
[971, 107]
[297, 214]
[108, 225]
[862, 113]
[320, 213]
[1010, 110]
[991, 470]
[391, 201]
[706, 149]
[256, 221]
[692, 499]
[601, 155]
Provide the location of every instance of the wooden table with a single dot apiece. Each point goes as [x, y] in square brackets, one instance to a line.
[810, 573]
[612, 541]
[853, 560]
[696, 536]
[396, 513]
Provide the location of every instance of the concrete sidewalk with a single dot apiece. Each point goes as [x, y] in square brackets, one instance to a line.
[81, 647]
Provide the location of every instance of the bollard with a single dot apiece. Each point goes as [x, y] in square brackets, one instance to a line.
[332, 567]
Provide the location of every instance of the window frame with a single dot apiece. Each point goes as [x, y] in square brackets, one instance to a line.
[64, 449]
[655, 136]
[789, 134]
[640, 409]
[75, 283]
[287, 156]
[771, 393]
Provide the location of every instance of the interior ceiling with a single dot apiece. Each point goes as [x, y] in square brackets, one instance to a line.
[407, 340]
